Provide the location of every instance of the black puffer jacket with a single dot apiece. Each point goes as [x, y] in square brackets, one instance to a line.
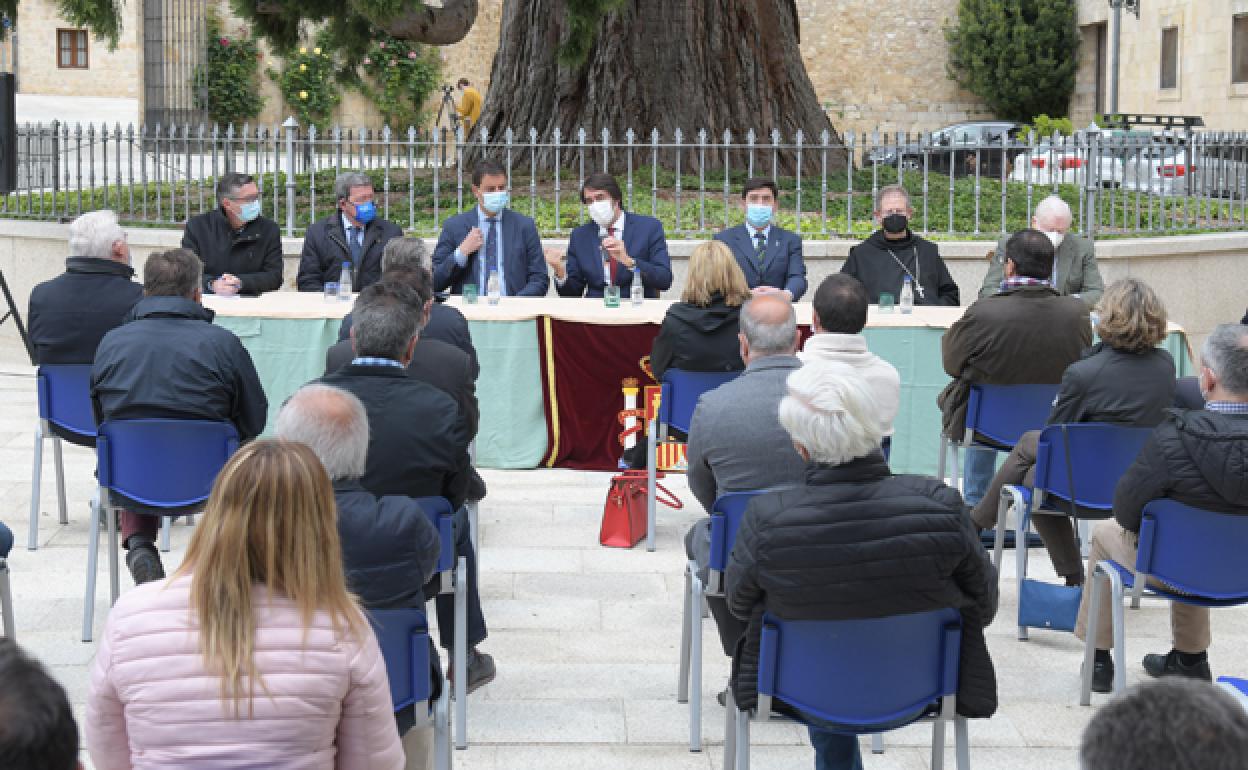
[857, 542]
[389, 547]
[71, 313]
[1197, 457]
[698, 339]
[1114, 386]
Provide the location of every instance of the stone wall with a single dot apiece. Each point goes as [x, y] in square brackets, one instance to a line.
[108, 73]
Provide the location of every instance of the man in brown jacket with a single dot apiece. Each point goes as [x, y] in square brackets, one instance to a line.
[1026, 334]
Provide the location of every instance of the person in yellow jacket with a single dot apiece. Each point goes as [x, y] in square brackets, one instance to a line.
[469, 107]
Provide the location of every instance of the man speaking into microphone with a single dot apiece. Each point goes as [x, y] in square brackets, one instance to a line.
[614, 249]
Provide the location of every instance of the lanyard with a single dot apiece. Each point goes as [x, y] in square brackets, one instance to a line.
[918, 287]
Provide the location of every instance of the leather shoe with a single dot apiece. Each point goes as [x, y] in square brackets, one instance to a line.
[1170, 665]
[144, 563]
[481, 670]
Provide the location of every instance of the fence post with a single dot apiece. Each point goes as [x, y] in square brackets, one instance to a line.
[291, 126]
[1092, 180]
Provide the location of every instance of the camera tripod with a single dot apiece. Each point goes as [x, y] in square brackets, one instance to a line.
[445, 126]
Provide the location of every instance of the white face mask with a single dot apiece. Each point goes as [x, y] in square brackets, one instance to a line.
[1055, 237]
[602, 212]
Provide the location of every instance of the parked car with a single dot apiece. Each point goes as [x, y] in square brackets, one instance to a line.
[960, 147]
[1050, 164]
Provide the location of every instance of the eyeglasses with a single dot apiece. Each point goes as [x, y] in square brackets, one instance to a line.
[248, 199]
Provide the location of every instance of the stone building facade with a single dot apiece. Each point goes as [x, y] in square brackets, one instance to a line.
[116, 73]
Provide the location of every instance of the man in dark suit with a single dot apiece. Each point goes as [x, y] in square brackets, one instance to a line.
[769, 255]
[490, 238]
[613, 249]
[418, 438]
[353, 233]
[241, 250]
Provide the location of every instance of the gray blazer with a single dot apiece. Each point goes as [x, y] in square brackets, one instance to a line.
[1077, 271]
[736, 442]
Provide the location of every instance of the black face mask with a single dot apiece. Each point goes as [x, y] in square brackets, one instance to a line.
[895, 223]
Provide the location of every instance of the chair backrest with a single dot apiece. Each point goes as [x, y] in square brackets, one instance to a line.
[65, 397]
[1091, 457]
[442, 517]
[403, 636]
[681, 391]
[862, 672]
[726, 516]
[1199, 552]
[1003, 413]
[163, 463]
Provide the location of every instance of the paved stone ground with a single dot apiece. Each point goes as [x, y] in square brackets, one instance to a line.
[586, 638]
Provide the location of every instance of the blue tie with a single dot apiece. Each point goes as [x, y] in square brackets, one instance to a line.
[354, 238]
[491, 252]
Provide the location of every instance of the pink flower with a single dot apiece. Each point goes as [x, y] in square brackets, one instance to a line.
[225, 41]
[367, 61]
[411, 54]
[382, 45]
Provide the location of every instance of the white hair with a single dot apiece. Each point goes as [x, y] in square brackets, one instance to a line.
[1053, 208]
[94, 233]
[830, 412]
[334, 425]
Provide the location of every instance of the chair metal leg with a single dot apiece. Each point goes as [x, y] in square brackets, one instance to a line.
[93, 555]
[938, 744]
[442, 730]
[1085, 537]
[1137, 590]
[940, 462]
[651, 473]
[956, 480]
[962, 743]
[60, 478]
[730, 732]
[877, 743]
[166, 526]
[36, 474]
[6, 602]
[1120, 633]
[998, 541]
[686, 620]
[473, 528]
[461, 653]
[1020, 560]
[114, 570]
[743, 739]
[1095, 588]
[695, 667]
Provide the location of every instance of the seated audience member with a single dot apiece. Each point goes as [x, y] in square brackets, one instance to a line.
[883, 261]
[187, 671]
[418, 445]
[612, 248]
[700, 333]
[1075, 272]
[856, 541]
[1197, 457]
[445, 323]
[352, 233]
[71, 313]
[1187, 394]
[736, 443]
[1026, 334]
[37, 728]
[1125, 379]
[490, 238]
[1174, 724]
[389, 546]
[171, 361]
[769, 256]
[839, 314]
[241, 250]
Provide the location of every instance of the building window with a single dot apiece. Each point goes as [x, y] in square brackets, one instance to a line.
[1239, 49]
[1170, 57]
[71, 49]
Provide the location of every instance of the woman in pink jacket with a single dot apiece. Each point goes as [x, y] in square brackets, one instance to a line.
[253, 654]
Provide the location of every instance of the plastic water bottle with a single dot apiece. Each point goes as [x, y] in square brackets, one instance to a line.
[344, 283]
[638, 292]
[493, 288]
[906, 300]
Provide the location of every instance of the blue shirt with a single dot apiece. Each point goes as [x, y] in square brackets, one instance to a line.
[461, 259]
[357, 233]
[373, 361]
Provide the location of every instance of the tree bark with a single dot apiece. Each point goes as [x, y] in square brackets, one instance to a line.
[428, 24]
[718, 65]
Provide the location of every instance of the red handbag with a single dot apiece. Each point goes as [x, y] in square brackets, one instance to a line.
[624, 515]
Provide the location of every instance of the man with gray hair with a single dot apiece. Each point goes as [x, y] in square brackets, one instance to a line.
[71, 313]
[736, 443]
[352, 234]
[894, 254]
[1197, 457]
[241, 250]
[1075, 271]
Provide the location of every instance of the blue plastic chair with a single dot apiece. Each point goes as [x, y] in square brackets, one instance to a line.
[64, 414]
[6, 594]
[726, 516]
[1185, 554]
[680, 393]
[403, 636]
[159, 464]
[996, 416]
[1077, 469]
[1238, 688]
[868, 675]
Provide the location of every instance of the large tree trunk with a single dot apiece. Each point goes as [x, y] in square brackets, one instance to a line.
[718, 65]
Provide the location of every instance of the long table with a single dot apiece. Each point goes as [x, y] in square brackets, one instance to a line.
[552, 369]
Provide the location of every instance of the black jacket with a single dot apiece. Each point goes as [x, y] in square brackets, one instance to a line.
[389, 547]
[1197, 457]
[418, 440]
[876, 260]
[71, 313]
[254, 253]
[858, 542]
[1114, 386]
[171, 361]
[445, 323]
[325, 249]
[698, 339]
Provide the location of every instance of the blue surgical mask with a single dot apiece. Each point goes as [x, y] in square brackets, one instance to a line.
[365, 212]
[495, 202]
[758, 215]
[249, 211]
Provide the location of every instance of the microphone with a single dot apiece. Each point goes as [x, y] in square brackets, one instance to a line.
[602, 236]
